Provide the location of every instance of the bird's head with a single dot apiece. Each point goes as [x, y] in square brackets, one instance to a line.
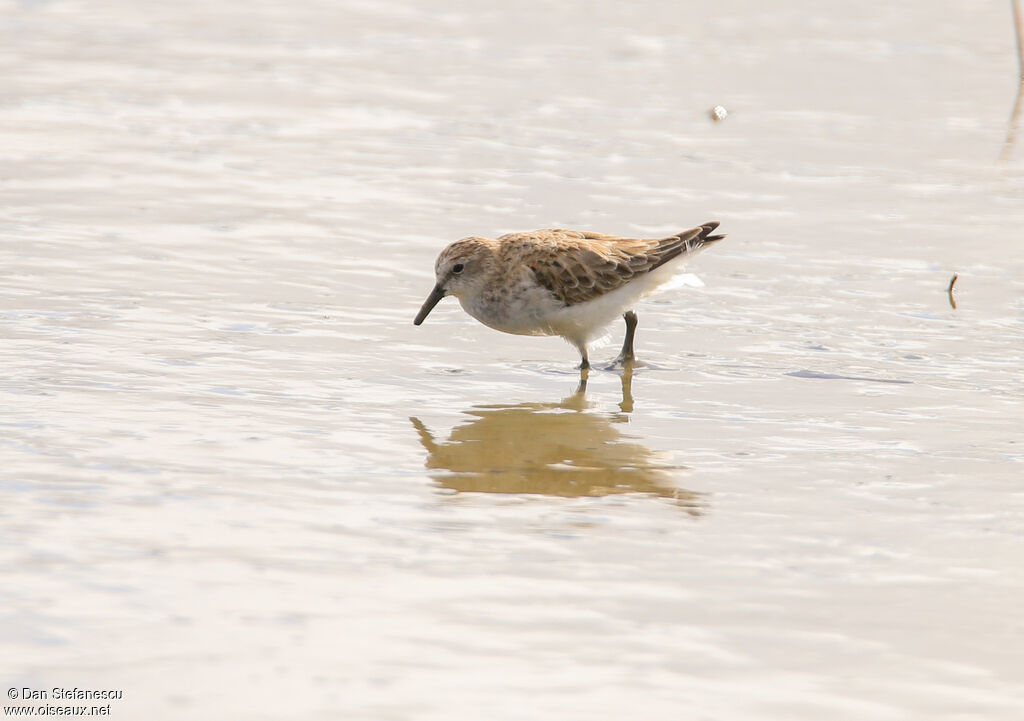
[461, 269]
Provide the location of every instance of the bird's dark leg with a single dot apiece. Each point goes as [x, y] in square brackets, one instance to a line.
[626, 356]
[584, 361]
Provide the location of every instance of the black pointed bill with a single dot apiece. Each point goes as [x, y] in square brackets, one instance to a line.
[428, 305]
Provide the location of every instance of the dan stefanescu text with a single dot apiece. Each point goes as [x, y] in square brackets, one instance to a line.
[67, 694]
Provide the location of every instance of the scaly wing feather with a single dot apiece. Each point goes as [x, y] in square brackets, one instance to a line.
[577, 266]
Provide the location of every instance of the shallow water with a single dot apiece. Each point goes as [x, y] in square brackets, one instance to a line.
[238, 483]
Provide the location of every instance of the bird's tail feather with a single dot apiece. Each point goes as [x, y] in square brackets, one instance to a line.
[688, 242]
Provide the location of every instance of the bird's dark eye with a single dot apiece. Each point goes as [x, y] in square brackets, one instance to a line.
[457, 268]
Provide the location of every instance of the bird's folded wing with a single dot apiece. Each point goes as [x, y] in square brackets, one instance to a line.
[577, 266]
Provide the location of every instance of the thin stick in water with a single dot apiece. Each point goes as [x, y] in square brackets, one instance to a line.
[949, 290]
[1018, 25]
[1018, 106]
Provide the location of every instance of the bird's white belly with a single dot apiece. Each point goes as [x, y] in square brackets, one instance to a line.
[585, 321]
[529, 309]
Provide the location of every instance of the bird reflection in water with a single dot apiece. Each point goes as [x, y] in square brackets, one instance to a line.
[554, 449]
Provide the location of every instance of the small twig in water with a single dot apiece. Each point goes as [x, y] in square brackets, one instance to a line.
[1018, 27]
[949, 290]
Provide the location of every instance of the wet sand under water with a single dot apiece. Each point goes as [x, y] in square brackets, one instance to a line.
[238, 483]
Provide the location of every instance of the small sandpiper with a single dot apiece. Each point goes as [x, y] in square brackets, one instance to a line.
[570, 283]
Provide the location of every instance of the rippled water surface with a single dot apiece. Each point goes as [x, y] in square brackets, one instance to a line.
[237, 482]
